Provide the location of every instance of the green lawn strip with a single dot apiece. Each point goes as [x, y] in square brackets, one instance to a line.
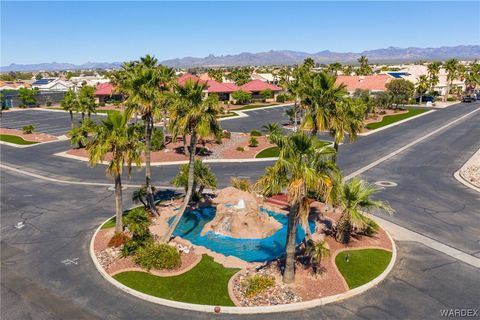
[268, 153]
[109, 224]
[15, 139]
[254, 106]
[206, 283]
[228, 115]
[395, 118]
[362, 266]
[107, 111]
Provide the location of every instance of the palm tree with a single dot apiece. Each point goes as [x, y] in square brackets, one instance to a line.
[86, 100]
[272, 129]
[346, 117]
[320, 98]
[353, 197]
[451, 67]
[304, 168]
[144, 82]
[334, 68]
[365, 68]
[140, 195]
[316, 251]
[196, 115]
[433, 71]
[203, 177]
[79, 135]
[422, 86]
[115, 137]
[70, 104]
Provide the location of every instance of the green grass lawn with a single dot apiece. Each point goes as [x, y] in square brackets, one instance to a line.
[109, 224]
[228, 115]
[206, 283]
[268, 153]
[107, 111]
[15, 139]
[395, 118]
[254, 106]
[362, 266]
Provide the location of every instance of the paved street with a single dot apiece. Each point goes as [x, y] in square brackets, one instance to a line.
[60, 220]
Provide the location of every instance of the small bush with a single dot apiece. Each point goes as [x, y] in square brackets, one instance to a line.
[157, 140]
[101, 104]
[451, 99]
[118, 239]
[158, 256]
[28, 129]
[281, 98]
[255, 133]
[253, 142]
[241, 149]
[257, 284]
[226, 134]
[49, 103]
[241, 184]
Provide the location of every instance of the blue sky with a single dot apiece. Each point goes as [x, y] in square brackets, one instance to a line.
[77, 32]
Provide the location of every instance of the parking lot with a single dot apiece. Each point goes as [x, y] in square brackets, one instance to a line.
[51, 122]
[256, 119]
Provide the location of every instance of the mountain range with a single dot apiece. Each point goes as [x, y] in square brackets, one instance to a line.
[281, 57]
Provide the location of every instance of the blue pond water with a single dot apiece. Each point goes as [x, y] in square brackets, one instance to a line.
[252, 250]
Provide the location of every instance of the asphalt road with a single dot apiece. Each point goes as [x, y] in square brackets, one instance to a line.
[60, 220]
[51, 122]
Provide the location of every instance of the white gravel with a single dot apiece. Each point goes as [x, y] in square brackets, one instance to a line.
[471, 170]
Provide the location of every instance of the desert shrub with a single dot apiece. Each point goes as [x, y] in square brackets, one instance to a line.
[49, 103]
[28, 129]
[257, 284]
[281, 98]
[241, 149]
[371, 227]
[255, 133]
[158, 256]
[101, 104]
[253, 142]
[241, 184]
[157, 140]
[118, 239]
[451, 99]
[226, 134]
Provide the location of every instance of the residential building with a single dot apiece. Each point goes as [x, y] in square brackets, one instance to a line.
[373, 83]
[52, 84]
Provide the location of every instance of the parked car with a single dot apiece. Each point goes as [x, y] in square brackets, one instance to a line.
[425, 99]
[469, 98]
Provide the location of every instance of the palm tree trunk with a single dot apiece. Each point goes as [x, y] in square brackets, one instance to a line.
[118, 204]
[185, 148]
[342, 232]
[83, 116]
[335, 146]
[164, 127]
[420, 101]
[188, 195]
[148, 169]
[71, 119]
[289, 273]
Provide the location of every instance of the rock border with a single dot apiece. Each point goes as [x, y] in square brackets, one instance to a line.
[457, 174]
[242, 310]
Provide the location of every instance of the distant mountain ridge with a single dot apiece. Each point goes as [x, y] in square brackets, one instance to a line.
[281, 57]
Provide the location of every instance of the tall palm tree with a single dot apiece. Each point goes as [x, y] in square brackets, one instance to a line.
[304, 168]
[451, 67]
[113, 136]
[272, 129]
[86, 100]
[321, 95]
[144, 82]
[70, 104]
[365, 68]
[196, 115]
[433, 71]
[353, 197]
[346, 117]
[422, 86]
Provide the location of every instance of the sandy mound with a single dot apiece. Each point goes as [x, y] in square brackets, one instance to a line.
[240, 221]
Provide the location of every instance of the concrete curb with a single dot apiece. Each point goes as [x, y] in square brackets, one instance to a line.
[458, 175]
[395, 124]
[64, 154]
[244, 310]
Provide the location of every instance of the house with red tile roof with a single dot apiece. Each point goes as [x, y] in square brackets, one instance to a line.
[224, 89]
[104, 92]
[373, 83]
